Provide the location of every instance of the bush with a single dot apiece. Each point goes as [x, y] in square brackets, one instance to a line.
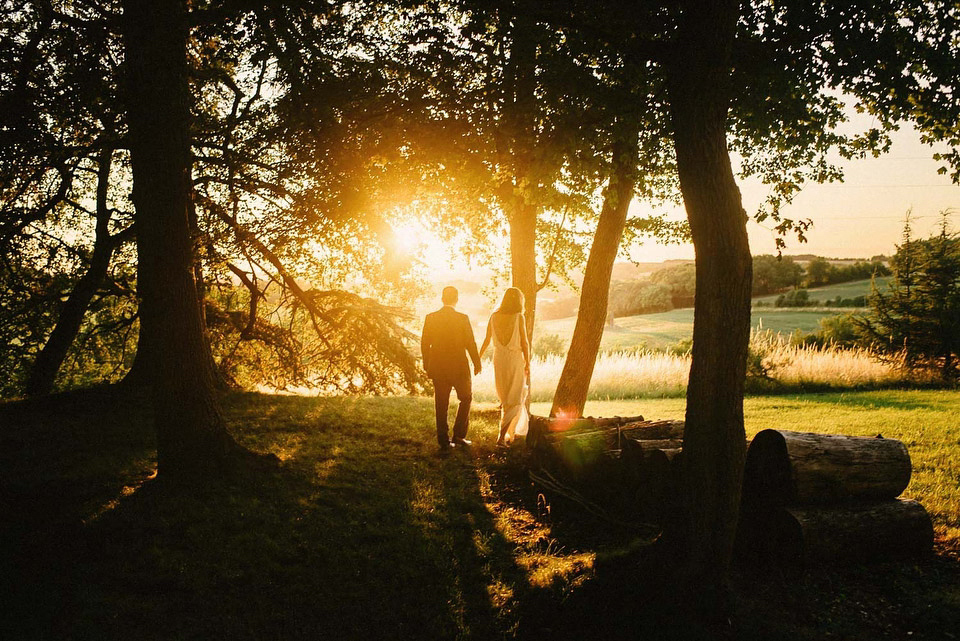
[834, 331]
[549, 345]
[681, 348]
[628, 298]
[794, 298]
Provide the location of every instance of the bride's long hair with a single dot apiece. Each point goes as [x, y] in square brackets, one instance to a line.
[512, 302]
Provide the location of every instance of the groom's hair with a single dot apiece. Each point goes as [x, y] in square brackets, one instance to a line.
[450, 295]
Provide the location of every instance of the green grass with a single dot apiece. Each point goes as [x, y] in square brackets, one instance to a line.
[366, 532]
[663, 330]
[843, 290]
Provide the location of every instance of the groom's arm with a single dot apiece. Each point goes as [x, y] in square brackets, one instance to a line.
[472, 345]
[426, 340]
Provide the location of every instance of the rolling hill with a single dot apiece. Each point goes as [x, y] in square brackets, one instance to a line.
[659, 331]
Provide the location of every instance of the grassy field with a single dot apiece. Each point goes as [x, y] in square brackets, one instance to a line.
[663, 330]
[789, 368]
[843, 290]
[365, 532]
[666, 329]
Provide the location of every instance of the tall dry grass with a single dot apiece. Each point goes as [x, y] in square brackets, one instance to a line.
[650, 374]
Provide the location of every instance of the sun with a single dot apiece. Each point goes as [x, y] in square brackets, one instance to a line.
[413, 241]
[409, 238]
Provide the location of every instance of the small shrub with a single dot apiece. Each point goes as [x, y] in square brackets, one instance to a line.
[549, 345]
[681, 348]
[795, 298]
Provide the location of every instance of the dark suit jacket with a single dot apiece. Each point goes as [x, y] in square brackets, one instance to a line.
[446, 340]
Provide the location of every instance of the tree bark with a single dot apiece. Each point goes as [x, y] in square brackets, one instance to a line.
[191, 433]
[714, 439]
[788, 468]
[519, 199]
[574, 383]
[51, 357]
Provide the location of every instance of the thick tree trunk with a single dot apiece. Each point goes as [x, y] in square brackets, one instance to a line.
[191, 434]
[518, 142]
[523, 257]
[574, 383]
[144, 362]
[51, 357]
[714, 439]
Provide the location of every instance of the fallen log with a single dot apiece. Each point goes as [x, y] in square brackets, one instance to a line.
[549, 424]
[642, 430]
[837, 534]
[579, 451]
[542, 427]
[795, 468]
[660, 444]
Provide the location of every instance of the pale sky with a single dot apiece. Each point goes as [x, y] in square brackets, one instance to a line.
[858, 218]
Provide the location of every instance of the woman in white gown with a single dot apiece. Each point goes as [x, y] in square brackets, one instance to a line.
[511, 364]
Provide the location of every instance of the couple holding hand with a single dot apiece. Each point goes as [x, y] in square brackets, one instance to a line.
[445, 342]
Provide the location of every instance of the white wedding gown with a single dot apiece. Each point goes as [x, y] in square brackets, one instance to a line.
[511, 383]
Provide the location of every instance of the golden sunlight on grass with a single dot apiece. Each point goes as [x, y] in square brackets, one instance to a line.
[537, 553]
[326, 467]
[624, 375]
[125, 492]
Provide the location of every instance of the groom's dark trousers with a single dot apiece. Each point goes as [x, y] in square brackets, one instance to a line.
[445, 342]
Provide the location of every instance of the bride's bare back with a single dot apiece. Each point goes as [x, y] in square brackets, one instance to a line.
[503, 325]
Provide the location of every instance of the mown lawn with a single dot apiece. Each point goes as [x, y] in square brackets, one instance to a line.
[364, 531]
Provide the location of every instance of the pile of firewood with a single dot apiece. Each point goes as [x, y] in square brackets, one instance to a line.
[625, 462]
[807, 498]
[812, 498]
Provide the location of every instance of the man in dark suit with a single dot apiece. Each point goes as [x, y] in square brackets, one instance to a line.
[446, 340]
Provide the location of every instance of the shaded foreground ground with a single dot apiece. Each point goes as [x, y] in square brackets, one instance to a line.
[365, 532]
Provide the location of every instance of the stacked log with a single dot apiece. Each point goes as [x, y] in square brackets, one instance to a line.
[622, 461]
[543, 427]
[653, 469]
[812, 498]
[579, 450]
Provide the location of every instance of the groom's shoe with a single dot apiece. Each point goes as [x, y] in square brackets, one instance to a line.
[462, 442]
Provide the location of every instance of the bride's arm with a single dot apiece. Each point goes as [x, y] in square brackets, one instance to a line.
[486, 340]
[524, 343]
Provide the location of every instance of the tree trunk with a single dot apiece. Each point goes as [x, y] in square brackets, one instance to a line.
[574, 383]
[714, 437]
[523, 257]
[51, 357]
[191, 433]
[785, 468]
[519, 140]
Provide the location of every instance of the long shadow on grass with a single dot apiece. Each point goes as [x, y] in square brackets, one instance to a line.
[63, 458]
[363, 533]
